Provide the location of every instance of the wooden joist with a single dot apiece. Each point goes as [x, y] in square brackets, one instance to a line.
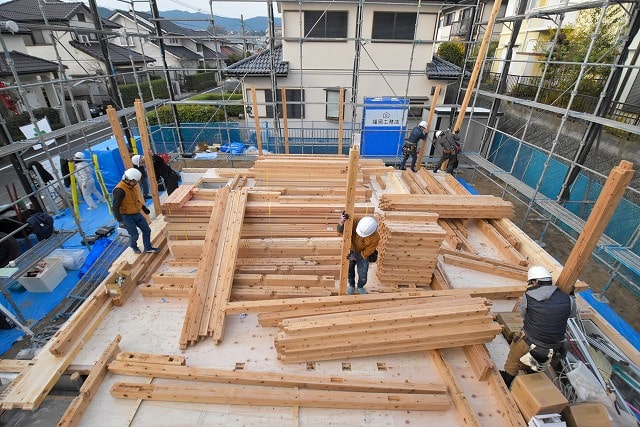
[449, 206]
[485, 265]
[279, 396]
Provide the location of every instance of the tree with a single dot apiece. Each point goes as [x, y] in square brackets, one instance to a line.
[452, 51]
[572, 47]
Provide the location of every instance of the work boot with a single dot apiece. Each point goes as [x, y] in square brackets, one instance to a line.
[136, 250]
[351, 290]
[507, 378]
[152, 250]
[362, 291]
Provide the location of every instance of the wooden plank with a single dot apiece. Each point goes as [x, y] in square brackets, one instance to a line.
[505, 248]
[449, 206]
[466, 413]
[80, 403]
[275, 396]
[275, 379]
[143, 130]
[602, 211]
[486, 267]
[349, 203]
[480, 360]
[151, 359]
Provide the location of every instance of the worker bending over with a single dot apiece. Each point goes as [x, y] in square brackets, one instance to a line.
[364, 241]
[545, 310]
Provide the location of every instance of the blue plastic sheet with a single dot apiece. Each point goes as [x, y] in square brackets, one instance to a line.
[233, 148]
[610, 316]
[98, 248]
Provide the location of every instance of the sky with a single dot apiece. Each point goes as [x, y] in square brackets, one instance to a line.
[230, 9]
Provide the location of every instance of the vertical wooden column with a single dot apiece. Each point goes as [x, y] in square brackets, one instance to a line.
[432, 113]
[602, 212]
[124, 150]
[256, 119]
[478, 65]
[146, 151]
[285, 123]
[354, 156]
[340, 119]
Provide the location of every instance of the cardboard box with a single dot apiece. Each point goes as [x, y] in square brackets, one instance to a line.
[586, 415]
[45, 276]
[512, 324]
[535, 394]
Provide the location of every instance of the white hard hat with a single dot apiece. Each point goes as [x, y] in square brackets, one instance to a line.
[422, 124]
[136, 159]
[366, 226]
[538, 272]
[79, 155]
[439, 133]
[132, 174]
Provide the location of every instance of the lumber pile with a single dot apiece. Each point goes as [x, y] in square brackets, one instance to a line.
[408, 249]
[449, 205]
[413, 325]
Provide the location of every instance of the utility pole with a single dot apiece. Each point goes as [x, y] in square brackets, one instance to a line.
[113, 84]
[167, 75]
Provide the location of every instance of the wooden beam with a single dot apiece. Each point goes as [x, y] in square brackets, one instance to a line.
[143, 129]
[256, 119]
[480, 360]
[354, 155]
[602, 211]
[434, 102]
[80, 403]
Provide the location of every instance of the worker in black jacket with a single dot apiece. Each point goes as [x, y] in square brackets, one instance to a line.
[545, 310]
[410, 147]
[450, 143]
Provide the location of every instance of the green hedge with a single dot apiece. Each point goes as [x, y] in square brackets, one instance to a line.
[14, 122]
[130, 92]
[199, 82]
[186, 114]
[232, 110]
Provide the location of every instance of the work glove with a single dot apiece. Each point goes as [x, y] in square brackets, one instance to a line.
[343, 217]
[146, 210]
[352, 256]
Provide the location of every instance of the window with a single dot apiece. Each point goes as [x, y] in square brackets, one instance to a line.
[325, 25]
[81, 17]
[448, 19]
[465, 14]
[393, 26]
[83, 38]
[295, 103]
[126, 40]
[417, 104]
[332, 111]
[40, 38]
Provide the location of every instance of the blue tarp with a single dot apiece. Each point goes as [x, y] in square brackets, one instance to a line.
[610, 316]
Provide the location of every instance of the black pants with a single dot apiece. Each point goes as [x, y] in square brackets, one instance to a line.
[409, 150]
[453, 161]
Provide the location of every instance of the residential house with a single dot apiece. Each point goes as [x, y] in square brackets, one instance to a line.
[393, 60]
[30, 69]
[68, 36]
[456, 21]
[186, 51]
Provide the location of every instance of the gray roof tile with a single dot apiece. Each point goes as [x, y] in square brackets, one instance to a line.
[119, 55]
[23, 11]
[259, 64]
[439, 69]
[182, 52]
[25, 64]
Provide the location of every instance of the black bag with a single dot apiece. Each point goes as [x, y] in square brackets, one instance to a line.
[374, 256]
[407, 148]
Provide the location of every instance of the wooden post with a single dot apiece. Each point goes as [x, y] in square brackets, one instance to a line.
[283, 95]
[256, 119]
[146, 151]
[340, 119]
[432, 112]
[354, 156]
[124, 150]
[602, 212]
[476, 69]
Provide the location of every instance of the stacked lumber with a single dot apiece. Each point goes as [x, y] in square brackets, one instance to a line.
[449, 205]
[212, 284]
[439, 322]
[408, 249]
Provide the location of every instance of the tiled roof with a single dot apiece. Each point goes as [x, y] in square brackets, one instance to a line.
[259, 65]
[166, 26]
[182, 52]
[26, 64]
[208, 53]
[55, 10]
[439, 69]
[119, 55]
[228, 51]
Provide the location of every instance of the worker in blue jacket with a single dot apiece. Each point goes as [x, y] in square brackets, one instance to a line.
[410, 147]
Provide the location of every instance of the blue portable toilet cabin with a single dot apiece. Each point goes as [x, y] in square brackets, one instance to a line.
[383, 126]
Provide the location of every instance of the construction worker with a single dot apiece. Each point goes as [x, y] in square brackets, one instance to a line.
[364, 241]
[410, 147]
[450, 143]
[163, 171]
[545, 310]
[138, 163]
[86, 182]
[126, 209]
